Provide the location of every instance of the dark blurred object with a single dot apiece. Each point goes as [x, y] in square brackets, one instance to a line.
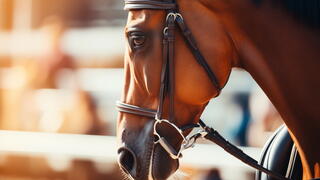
[280, 155]
[242, 99]
[213, 174]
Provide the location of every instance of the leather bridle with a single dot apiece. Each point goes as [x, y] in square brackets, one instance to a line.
[174, 19]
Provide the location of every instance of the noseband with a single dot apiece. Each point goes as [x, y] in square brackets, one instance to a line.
[174, 19]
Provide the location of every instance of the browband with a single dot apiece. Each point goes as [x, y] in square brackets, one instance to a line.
[145, 4]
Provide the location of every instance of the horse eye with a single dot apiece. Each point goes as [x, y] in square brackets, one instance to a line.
[136, 39]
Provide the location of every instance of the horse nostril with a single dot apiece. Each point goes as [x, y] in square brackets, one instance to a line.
[126, 159]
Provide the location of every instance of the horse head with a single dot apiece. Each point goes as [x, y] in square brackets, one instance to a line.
[165, 80]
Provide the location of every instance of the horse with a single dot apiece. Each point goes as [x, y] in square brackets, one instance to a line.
[166, 76]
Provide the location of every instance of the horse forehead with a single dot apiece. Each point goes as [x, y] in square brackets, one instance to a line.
[145, 17]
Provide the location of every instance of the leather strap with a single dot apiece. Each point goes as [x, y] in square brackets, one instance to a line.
[145, 4]
[132, 109]
[169, 35]
[163, 79]
[214, 136]
[167, 79]
[189, 39]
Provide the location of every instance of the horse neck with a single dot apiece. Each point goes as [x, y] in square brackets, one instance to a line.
[282, 55]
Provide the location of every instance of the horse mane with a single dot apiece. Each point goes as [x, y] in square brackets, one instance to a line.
[305, 11]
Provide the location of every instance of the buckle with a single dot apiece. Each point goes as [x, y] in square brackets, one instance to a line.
[171, 138]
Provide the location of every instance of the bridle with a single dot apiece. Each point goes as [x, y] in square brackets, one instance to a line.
[167, 73]
[174, 19]
[167, 85]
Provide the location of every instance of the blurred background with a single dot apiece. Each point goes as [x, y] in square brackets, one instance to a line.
[60, 74]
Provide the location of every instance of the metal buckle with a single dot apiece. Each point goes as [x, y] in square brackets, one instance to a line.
[171, 15]
[187, 142]
[178, 15]
[165, 31]
[192, 139]
[174, 15]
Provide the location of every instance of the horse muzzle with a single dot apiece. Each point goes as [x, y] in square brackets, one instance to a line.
[149, 153]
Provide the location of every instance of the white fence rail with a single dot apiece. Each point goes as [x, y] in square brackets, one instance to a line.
[104, 149]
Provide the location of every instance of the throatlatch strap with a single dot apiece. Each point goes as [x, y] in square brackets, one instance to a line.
[189, 39]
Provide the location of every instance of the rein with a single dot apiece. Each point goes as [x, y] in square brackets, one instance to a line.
[174, 19]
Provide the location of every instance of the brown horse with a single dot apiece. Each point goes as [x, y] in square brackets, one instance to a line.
[277, 42]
